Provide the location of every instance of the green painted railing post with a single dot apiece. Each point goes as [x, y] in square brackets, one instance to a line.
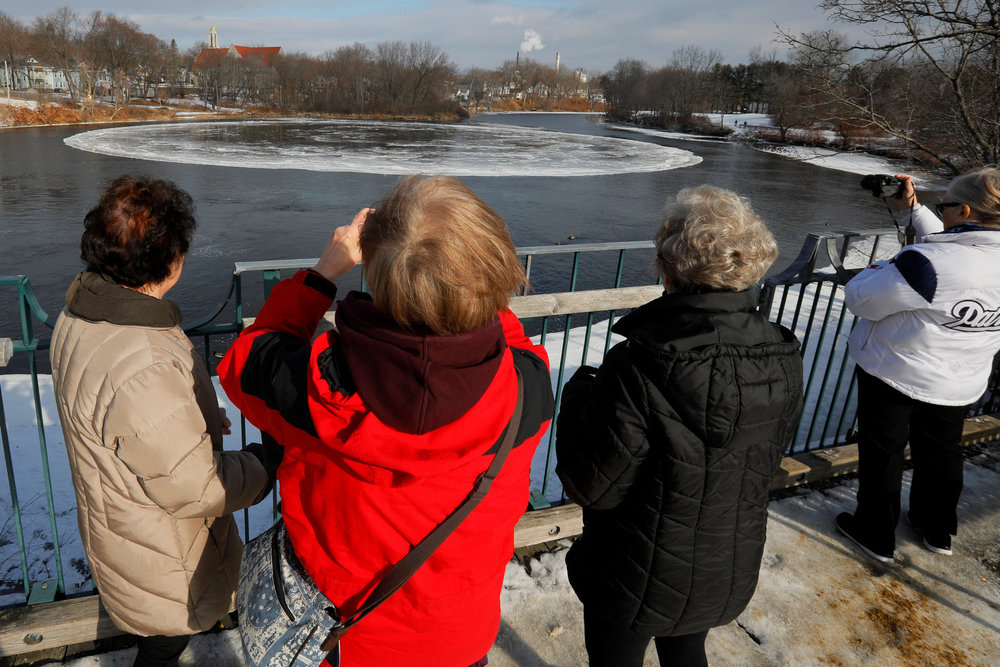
[12, 485]
[559, 382]
[45, 592]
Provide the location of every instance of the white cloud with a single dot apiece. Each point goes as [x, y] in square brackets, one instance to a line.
[532, 41]
[508, 20]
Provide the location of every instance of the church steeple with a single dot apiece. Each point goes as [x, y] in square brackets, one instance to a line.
[213, 39]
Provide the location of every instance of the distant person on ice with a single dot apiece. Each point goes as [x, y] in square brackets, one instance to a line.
[924, 348]
[143, 428]
[670, 446]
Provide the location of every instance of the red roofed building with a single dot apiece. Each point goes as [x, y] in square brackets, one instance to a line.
[264, 55]
[210, 58]
[256, 55]
[213, 56]
[209, 69]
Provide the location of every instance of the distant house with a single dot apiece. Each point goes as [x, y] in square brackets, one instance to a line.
[28, 74]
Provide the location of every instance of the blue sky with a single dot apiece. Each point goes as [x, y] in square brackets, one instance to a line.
[591, 34]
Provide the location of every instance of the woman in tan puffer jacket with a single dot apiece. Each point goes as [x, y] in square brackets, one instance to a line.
[143, 428]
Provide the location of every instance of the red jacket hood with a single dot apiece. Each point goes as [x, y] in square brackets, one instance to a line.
[414, 380]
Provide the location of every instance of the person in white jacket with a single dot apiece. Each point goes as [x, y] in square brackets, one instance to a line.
[929, 328]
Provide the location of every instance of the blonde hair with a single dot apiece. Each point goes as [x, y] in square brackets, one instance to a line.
[979, 190]
[711, 240]
[437, 256]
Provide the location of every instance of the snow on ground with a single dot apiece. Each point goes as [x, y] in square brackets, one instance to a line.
[665, 134]
[740, 122]
[855, 163]
[817, 600]
[744, 125]
[14, 102]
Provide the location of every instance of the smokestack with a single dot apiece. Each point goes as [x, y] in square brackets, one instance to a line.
[557, 62]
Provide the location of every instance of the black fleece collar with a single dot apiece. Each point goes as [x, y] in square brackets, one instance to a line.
[93, 297]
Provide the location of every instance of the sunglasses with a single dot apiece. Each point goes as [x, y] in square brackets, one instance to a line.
[942, 205]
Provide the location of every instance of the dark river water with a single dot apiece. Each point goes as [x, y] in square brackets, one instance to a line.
[287, 208]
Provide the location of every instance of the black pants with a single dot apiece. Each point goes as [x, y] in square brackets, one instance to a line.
[615, 646]
[160, 651]
[886, 420]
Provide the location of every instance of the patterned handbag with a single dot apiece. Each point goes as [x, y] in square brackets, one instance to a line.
[285, 620]
[280, 608]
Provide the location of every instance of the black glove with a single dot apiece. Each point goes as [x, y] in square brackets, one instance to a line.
[269, 453]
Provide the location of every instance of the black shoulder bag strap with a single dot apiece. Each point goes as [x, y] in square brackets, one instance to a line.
[411, 562]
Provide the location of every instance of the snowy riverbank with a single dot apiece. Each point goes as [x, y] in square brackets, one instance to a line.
[745, 127]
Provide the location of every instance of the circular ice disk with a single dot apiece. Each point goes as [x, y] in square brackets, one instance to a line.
[378, 147]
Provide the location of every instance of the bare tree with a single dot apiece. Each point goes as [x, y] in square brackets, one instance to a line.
[391, 70]
[174, 67]
[929, 74]
[297, 81]
[691, 87]
[786, 103]
[509, 74]
[13, 43]
[129, 55]
[625, 89]
[429, 67]
[348, 77]
[536, 82]
[56, 40]
[479, 80]
[593, 89]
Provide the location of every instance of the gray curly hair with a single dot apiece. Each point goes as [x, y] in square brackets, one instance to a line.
[711, 240]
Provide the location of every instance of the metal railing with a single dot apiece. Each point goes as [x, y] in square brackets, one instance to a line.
[806, 297]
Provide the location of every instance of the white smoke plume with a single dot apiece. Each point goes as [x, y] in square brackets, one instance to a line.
[532, 41]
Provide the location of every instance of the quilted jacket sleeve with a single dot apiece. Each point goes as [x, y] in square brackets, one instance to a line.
[601, 432]
[924, 222]
[158, 431]
[265, 370]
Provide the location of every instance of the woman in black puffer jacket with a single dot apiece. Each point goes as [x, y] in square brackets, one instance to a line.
[671, 445]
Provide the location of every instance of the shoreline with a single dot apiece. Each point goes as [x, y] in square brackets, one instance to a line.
[858, 161]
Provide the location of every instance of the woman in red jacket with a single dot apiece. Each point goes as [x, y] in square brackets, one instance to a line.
[388, 421]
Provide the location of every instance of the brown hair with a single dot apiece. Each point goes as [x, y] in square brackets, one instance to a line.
[711, 240]
[436, 255]
[138, 230]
